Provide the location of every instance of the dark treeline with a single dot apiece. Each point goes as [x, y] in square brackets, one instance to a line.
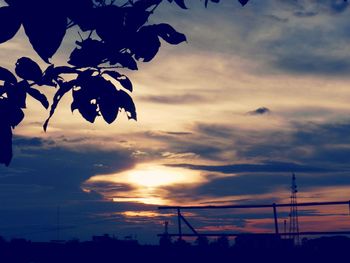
[246, 249]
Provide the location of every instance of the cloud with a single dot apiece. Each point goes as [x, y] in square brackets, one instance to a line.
[178, 133]
[314, 8]
[174, 99]
[43, 176]
[273, 167]
[308, 37]
[23, 142]
[256, 185]
[260, 111]
[313, 64]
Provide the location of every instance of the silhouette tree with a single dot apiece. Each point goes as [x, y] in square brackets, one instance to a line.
[119, 36]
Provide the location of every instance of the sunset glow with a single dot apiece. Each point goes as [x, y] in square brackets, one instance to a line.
[146, 182]
[254, 94]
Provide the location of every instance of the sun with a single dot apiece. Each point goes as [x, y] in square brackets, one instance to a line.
[158, 175]
[151, 176]
[146, 182]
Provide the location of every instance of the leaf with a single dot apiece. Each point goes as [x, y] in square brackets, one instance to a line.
[169, 34]
[51, 74]
[136, 17]
[48, 77]
[64, 87]
[124, 59]
[10, 23]
[16, 116]
[5, 142]
[45, 29]
[10, 116]
[17, 94]
[214, 1]
[86, 96]
[7, 76]
[122, 79]
[27, 69]
[180, 3]
[146, 44]
[90, 54]
[86, 108]
[36, 94]
[107, 101]
[125, 102]
[243, 2]
[109, 23]
[63, 70]
[3, 90]
[82, 12]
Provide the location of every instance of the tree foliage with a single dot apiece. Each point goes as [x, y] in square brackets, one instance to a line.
[119, 36]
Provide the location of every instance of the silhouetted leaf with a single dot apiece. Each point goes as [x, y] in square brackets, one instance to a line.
[169, 34]
[7, 76]
[36, 94]
[79, 11]
[123, 80]
[10, 116]
[214, 1]
[17, 93]
[10, 23]
[180, 3]
[28, 69]
[243, 2]
[5, 142]
[85, 96]
[3, 90]
[90, 54]
[109, 23]
[146, 51]
[148, 36]
[49, 77]
[124, 59]
[125, 102]
[45, 30]
[64, 87]
[87, 109]
[107, 101]
[64, 70]
[51, 74]
[16, 116]
[135, 18]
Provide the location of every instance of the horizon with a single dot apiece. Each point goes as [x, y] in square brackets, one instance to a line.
[254, 94]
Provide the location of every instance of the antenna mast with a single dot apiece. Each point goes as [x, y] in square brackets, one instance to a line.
[293, 215]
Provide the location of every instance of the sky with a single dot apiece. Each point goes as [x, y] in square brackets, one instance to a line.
[255, 94]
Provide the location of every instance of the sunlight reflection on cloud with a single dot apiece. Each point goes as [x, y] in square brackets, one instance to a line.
[146, 181]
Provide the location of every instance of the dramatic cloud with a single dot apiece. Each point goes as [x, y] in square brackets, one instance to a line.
[192, 102]
[263, 183]
[44, 176]
[273, 167]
